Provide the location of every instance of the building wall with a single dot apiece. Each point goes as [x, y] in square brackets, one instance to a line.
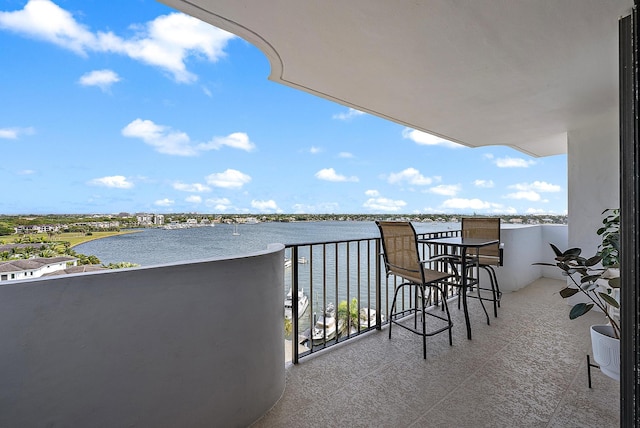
[524, 246]
[593, 179]
[197, 344]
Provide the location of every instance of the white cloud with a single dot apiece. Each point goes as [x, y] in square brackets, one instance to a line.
[508, 162]
[531, 191]
[194, 199]
[329, 174]
[535, 211]
[384, 204]
[499, 209]
[324, 207]
[103, 79]
[486, 184]
[162, 138]
[26, 172]
[538, 186]
[348, 115]
[461, 203]
[166, 202]
[446, 189]
[529, 195]
[315, 150]
[372, 193]
[15, 133]
[166, 42]
[170, 142]
[237, 140]
[218, 204]
[269, 205]
[411, 176]
[114, 181]
[229, 179]
[424, 139]
[195, 187]
[8, 133]
[345, 155]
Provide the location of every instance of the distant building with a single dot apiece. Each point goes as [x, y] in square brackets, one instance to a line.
[34, 268]
[145, 219]
[37, 228]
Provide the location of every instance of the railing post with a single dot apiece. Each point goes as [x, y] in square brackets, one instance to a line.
[294, 304]
[378, 286]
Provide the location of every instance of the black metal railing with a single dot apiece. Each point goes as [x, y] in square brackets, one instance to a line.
[338, 290]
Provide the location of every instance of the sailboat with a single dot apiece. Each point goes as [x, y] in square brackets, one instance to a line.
[235, 230]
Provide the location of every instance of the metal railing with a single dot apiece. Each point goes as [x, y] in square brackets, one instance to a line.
[338, 290]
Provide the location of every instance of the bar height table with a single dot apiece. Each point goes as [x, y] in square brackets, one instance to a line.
[464, 244]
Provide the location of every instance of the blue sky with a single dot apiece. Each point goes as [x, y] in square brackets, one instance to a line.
[111, 106]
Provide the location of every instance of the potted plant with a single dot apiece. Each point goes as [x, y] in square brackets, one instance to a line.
[597, 279]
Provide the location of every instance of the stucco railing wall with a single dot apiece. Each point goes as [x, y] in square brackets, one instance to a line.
[524, 246]
[196, 344]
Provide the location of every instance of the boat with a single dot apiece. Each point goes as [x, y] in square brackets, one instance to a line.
[367, 318]
[303, 304]
[302, 260]
[235, 230]
[287, 262]
[325, 328]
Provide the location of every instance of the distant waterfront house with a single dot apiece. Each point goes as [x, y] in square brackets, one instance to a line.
[34, 268]
[98, 224]
[37, 228]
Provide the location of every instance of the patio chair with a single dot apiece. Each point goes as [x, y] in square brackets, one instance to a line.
[489, 257]
[402, 259]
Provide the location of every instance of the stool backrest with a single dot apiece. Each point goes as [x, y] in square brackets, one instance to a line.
[483, 227]
[400, 249]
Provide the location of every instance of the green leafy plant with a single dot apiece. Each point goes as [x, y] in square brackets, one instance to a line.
[588, 274]
[609, 249]
[350, 313]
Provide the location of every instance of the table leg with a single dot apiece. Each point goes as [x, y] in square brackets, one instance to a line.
[464, 291]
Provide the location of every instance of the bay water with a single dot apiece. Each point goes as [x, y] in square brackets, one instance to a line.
[153, 246]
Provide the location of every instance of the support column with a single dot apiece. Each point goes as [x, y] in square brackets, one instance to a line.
[593, 178]
[629, 219]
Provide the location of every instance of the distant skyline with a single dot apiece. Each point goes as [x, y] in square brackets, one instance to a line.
[131, 106]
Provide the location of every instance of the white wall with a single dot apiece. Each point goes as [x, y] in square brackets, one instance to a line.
[594, 179]
[197, 344]
[524, 246]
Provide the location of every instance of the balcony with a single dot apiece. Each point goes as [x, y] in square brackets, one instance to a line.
[528, 368]
[201, 344]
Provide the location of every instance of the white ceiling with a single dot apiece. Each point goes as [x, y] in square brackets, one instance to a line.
[520, 73]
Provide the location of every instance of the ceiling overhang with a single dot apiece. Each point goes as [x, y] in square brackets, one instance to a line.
[483, 72]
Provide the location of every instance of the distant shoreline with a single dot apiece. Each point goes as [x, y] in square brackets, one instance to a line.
[101, 235]
[74, 238]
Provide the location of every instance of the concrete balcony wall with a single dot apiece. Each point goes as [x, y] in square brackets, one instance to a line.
[524, 246]
[195, 344]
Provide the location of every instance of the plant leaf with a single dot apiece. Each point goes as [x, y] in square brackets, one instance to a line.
[614, 282]
[593, 260]
[556, 250]
[568, 292]
[589, 278]
[610, 300]
[579, 310]
[572, 252]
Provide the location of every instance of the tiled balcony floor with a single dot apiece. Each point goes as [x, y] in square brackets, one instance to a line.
[527, 369]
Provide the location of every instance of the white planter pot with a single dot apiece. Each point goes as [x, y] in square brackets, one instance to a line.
[606, 350]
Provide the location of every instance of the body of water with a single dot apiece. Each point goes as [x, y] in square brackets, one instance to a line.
[156, 246]
[323, 282]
